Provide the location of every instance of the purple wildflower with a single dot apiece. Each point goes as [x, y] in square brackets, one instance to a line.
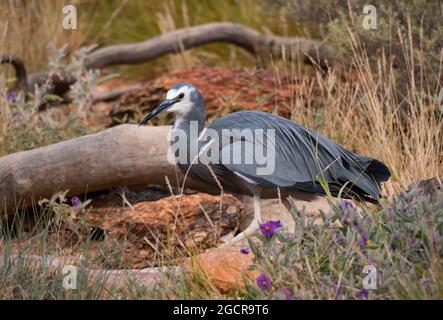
[347, 204]
[363, 294]
[75, 201]
[244, 250]
[404, 209]
[339, 238]
[424, 281]
[263, 282]
[288, 293]
[363, 241]
[10, 97]
[394, 242]
[270, 227]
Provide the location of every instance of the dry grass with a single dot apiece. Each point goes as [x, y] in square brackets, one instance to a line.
[27, 27]
[368, 115]
[167, 23]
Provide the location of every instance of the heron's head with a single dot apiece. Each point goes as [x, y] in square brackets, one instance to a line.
[184, 100]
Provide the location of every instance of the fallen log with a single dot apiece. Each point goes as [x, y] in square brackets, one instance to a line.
[309, 51]
[122, 155]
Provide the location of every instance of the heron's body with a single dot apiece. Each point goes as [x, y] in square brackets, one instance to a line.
[303, 158]
[306, 162]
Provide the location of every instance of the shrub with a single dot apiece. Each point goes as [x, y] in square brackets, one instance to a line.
[402, 240]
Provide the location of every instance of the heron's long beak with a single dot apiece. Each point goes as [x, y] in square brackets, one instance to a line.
[161, 107]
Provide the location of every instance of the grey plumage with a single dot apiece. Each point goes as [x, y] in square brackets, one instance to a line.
[303, 159]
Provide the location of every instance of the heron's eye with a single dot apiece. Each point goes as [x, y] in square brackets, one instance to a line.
[181, 95]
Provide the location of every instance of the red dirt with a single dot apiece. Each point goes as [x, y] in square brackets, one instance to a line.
[225, 91]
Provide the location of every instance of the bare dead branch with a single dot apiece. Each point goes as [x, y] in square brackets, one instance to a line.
[309, 51]
[183, 39]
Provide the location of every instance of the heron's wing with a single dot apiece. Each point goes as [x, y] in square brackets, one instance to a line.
[302, 157]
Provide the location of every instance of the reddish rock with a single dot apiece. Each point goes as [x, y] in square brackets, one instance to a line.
[225, 267]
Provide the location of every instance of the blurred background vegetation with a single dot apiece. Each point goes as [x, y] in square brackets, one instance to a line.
[26, 35]
[417, 22]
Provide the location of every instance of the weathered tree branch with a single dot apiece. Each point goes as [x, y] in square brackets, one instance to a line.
[310, 51]
[183, 39]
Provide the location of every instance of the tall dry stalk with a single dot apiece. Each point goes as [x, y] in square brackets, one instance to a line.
[27, 27]
[371, 116]
[167, 23]
[4, 121]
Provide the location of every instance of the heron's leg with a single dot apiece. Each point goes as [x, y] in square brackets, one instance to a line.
[253, 226]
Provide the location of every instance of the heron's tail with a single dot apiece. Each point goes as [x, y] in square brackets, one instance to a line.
[364, 178]
[375, 168]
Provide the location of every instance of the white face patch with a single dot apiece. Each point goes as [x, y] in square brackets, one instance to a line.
[185, 105]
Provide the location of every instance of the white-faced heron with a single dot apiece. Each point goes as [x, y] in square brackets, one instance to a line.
[263, 155]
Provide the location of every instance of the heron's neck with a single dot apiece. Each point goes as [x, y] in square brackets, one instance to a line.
[185, 133]
[190, 122]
